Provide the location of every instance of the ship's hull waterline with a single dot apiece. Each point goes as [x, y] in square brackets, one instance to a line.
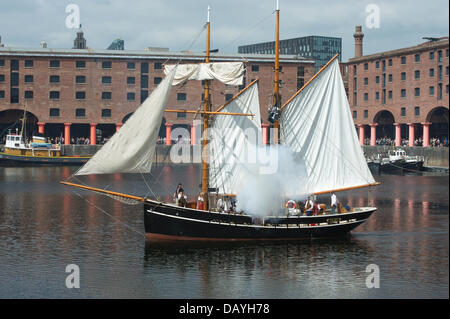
[166, 221]
[8, 159]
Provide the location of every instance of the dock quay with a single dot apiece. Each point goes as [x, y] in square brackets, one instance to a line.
[436, 158]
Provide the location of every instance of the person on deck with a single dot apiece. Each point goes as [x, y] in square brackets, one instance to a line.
[177, 191]
[220, 205]
[231, 208]
[315, 208]
[309, 206]
[200, 202]
[301, 207]
[182, 199]
[334, 203]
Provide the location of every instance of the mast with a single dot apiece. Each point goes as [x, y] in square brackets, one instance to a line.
[276, 90]
[205, 120]
[23, 122]
[274, 112]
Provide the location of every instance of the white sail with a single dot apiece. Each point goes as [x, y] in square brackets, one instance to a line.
[317, 124]
[233, 141]
[230, 73]
[131, 149]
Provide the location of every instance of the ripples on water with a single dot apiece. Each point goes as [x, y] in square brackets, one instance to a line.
[45, 226]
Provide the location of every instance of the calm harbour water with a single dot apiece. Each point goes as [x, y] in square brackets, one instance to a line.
[45, 226]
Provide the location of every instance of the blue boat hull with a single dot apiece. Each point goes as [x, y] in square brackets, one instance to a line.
[7, 159]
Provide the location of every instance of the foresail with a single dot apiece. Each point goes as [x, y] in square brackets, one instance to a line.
[230, 73]
[233, 141]
[131, 149]
[318, 126]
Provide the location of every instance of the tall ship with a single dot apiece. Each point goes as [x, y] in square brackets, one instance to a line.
[315, 151]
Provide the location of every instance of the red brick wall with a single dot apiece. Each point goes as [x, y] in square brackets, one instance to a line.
[426, 102]
[93, 103]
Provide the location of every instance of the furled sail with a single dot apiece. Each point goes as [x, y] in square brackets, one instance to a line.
[317, 124]
[233, 141]
[230, 73]
[131, 149]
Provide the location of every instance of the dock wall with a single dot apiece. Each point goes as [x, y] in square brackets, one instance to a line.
[434, 156]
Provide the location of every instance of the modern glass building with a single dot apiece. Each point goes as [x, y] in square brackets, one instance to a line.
[318, 48]
[117, 44]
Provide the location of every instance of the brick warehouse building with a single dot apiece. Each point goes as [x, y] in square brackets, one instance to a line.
[400, 94]
[90, 93]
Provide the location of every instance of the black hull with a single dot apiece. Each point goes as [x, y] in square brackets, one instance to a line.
[400, 166]
[163, 221]
[18, 160]
[414, 165]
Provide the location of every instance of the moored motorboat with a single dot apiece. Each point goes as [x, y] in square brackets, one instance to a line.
[397, 160]
[38, 151]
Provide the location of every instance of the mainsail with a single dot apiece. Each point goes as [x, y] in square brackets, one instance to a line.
[318, 126]
[233, 141]
[230, 73]
[131, 149]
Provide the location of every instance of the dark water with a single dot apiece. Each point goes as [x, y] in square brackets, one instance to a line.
[45, 226]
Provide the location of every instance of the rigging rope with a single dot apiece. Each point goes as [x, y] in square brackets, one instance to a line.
[157, 177]
[148, 186]
[109, 215]
[8, 127]
[195, 38]
[248, 30]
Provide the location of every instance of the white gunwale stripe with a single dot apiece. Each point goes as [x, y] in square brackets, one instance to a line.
[362, 209]
[253, 226]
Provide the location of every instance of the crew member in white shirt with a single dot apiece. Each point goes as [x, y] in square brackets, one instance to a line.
[334, 203]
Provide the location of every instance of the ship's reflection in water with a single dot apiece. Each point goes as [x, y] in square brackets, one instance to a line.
[264, 269]
[45, 226]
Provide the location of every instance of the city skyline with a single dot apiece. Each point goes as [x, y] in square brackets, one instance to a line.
[177, 25]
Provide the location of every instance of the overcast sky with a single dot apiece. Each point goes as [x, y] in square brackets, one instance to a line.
[175, 24]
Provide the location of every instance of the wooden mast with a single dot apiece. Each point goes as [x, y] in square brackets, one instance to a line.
[24, 119]
[276, 91]
[205, 122]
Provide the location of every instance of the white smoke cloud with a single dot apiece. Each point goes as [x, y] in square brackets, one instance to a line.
[262, 191]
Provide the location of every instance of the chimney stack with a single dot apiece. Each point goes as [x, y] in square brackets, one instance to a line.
[1, 45]
[43, 44]
[358, 35]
